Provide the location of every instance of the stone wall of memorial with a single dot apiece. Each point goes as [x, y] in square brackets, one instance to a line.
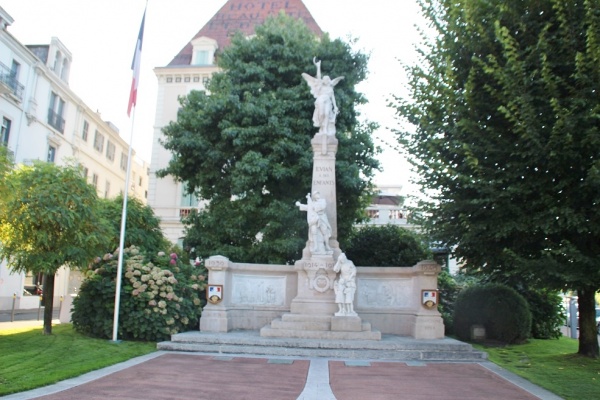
[390, 298]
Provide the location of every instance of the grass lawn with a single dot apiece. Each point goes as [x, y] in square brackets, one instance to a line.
[551, 364]
[30, 360]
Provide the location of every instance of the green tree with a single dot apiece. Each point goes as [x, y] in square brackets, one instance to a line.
[505, 106]
[246, 147]
[5, 167]
[50, 219]
[386, 246]
[142, 228]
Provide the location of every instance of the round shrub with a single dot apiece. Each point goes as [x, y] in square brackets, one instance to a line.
[387, 245]
[160, 296]
[500, 309]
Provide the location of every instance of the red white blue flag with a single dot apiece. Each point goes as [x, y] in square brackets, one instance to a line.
[135, 66]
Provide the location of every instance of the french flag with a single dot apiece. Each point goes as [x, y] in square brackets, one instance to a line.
[135, 66]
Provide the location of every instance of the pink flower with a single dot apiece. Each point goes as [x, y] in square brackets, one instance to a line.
[173, 261]
[174, 256]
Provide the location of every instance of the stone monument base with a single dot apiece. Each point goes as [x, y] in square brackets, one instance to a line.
[304, 326]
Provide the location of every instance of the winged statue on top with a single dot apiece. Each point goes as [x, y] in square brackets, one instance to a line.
[326, 109]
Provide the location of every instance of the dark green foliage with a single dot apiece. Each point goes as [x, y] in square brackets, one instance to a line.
[389, 245]
[547, 314]
[246, 146]
[142, 228]
[160, 296]
[450, 287]
[505, 104]
[449, 290]
[501, 310]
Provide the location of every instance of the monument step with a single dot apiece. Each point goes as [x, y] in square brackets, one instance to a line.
[290, 317]
[267, 331]
[390, 347]
[277, 323]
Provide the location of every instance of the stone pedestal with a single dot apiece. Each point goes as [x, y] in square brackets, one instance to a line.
[312, 310]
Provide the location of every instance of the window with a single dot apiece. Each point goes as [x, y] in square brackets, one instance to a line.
[85, 172]
[123, 161]
[57, 61]
[84, 131]
[201, 57]
[110, 150]
[203, 50]
[140, 181]
[55, 113]
[51, 153]
[15, 70]
[187, 199]
[107, 190]
[5, 132]
[95, 180]
[64, 71]
[33, 283]
[99, 141]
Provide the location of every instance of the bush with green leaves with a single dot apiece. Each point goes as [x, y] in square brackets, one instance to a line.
[500, 309]
[450, 286]
[387, 245]
[160, 296]
[547, 314]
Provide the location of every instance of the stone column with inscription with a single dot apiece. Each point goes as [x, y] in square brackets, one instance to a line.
[315, 270]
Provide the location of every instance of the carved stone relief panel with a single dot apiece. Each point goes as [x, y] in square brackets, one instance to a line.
[387, 293]
[258, 290]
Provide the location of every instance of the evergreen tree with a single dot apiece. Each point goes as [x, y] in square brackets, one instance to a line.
[244, 145]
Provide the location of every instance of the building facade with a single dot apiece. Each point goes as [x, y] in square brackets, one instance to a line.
[43, 119]
[190, 70]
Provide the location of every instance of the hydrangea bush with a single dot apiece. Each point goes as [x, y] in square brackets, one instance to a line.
[161, 295]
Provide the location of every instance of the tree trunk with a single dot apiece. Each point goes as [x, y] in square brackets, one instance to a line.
[588, 332]
[48, 303]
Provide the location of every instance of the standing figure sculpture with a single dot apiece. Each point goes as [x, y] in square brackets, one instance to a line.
[325, 107]
[345, 286]
[319, 230]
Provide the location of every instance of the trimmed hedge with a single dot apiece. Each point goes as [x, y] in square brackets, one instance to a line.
[500, 309]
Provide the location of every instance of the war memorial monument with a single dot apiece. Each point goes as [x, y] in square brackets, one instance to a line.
[323, 305]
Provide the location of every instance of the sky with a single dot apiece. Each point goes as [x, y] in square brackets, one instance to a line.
[101, 36]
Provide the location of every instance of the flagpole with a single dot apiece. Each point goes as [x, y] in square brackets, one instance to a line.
[135, 66]
[122, 236]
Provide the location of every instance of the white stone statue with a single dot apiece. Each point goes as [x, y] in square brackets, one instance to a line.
[319, 230]
[345, 286]
[325, 107]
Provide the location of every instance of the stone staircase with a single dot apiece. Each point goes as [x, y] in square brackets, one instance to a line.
[324, 327]
[390, 347]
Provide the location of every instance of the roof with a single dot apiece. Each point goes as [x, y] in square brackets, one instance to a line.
[243, 16]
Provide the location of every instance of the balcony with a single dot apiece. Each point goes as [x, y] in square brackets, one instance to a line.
[56, 121]
[9, 83]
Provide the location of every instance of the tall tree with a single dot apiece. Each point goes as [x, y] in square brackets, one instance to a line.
[50, 219]
[142, 228]
[505, 104]
[245, 144]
